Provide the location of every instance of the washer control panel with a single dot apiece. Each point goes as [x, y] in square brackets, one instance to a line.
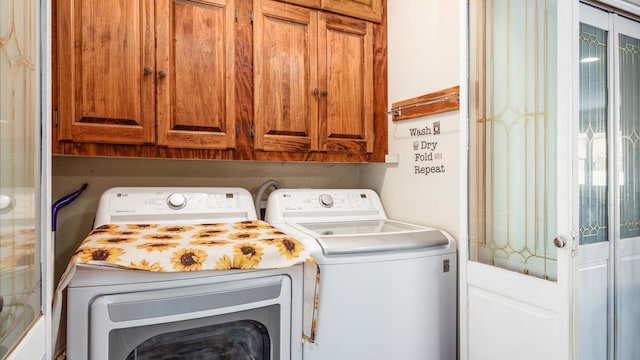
[310, 203]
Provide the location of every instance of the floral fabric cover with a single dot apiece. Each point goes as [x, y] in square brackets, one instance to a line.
[245, 245]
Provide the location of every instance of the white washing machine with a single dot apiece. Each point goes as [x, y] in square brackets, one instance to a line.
[133, 314]
[387, 288]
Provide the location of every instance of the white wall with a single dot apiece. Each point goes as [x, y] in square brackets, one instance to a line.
[75, 220]
[423, 57]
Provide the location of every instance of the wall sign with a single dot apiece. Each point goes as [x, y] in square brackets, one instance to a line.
[427, 156]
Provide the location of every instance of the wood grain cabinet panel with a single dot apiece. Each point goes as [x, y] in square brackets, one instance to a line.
[346, 78]
[285, 77]
[195, 52]
[103, 93]
[313, 80]
[362, 9]
[314, 4]
[146, 72]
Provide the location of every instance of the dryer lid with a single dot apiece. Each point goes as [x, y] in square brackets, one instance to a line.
[372, 236]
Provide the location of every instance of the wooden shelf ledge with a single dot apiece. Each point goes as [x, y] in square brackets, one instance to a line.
[428, 104]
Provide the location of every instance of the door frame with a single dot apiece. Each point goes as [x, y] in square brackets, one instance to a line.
[36, 342]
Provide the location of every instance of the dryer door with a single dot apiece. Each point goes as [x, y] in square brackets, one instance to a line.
[248, 319]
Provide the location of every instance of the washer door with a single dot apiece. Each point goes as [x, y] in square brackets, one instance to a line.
[196, 322]
[372, 236]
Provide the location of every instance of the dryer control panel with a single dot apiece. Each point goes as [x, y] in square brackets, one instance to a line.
[174, 205]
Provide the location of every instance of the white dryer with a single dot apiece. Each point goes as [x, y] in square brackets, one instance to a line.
[132, 314]
[387, 288]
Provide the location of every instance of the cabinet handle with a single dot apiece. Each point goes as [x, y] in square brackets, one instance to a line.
[324, 92]
[147, 70]
[315, 91]
[162, 74]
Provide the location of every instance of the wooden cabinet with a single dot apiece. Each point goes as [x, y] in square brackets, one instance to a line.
[313, 80]
[362, 9]
[285, 43]
[346, 84]
[146, 72]
[218, 79]
[103, 92]
[195, 48]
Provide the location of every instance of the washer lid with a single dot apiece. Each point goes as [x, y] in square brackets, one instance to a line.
[372, 236]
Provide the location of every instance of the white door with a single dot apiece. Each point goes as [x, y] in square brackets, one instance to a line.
[22, 325]
[609, 181]
[626, 171]
[517, 271]
[594, 267]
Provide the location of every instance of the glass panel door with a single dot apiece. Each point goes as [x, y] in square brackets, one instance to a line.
[629, 135]
[521, 259]
[19, 170]
[594, 146]
[513, 149]
[609, 167]
[593, 137]
[627, 170]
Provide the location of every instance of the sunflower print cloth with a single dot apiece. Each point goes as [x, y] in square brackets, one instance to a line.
[244, 245]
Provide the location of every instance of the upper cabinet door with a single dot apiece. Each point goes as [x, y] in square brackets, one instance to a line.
[195, 73]
[105, 55]
[363, 9]
[285, 77]
[346, 78]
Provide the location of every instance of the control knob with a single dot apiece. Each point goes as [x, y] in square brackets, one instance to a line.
[176, 201]
[6, 203]
[326, 200]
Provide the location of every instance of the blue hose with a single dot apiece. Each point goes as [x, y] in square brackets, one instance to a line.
[62, 202]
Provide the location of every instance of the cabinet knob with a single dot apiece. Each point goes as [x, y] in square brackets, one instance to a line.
[162, 74]
[147, 70]
[324, 92]
[315, 91]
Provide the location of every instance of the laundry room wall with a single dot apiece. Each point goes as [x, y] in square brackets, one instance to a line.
[421, 184]
[75, 220]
